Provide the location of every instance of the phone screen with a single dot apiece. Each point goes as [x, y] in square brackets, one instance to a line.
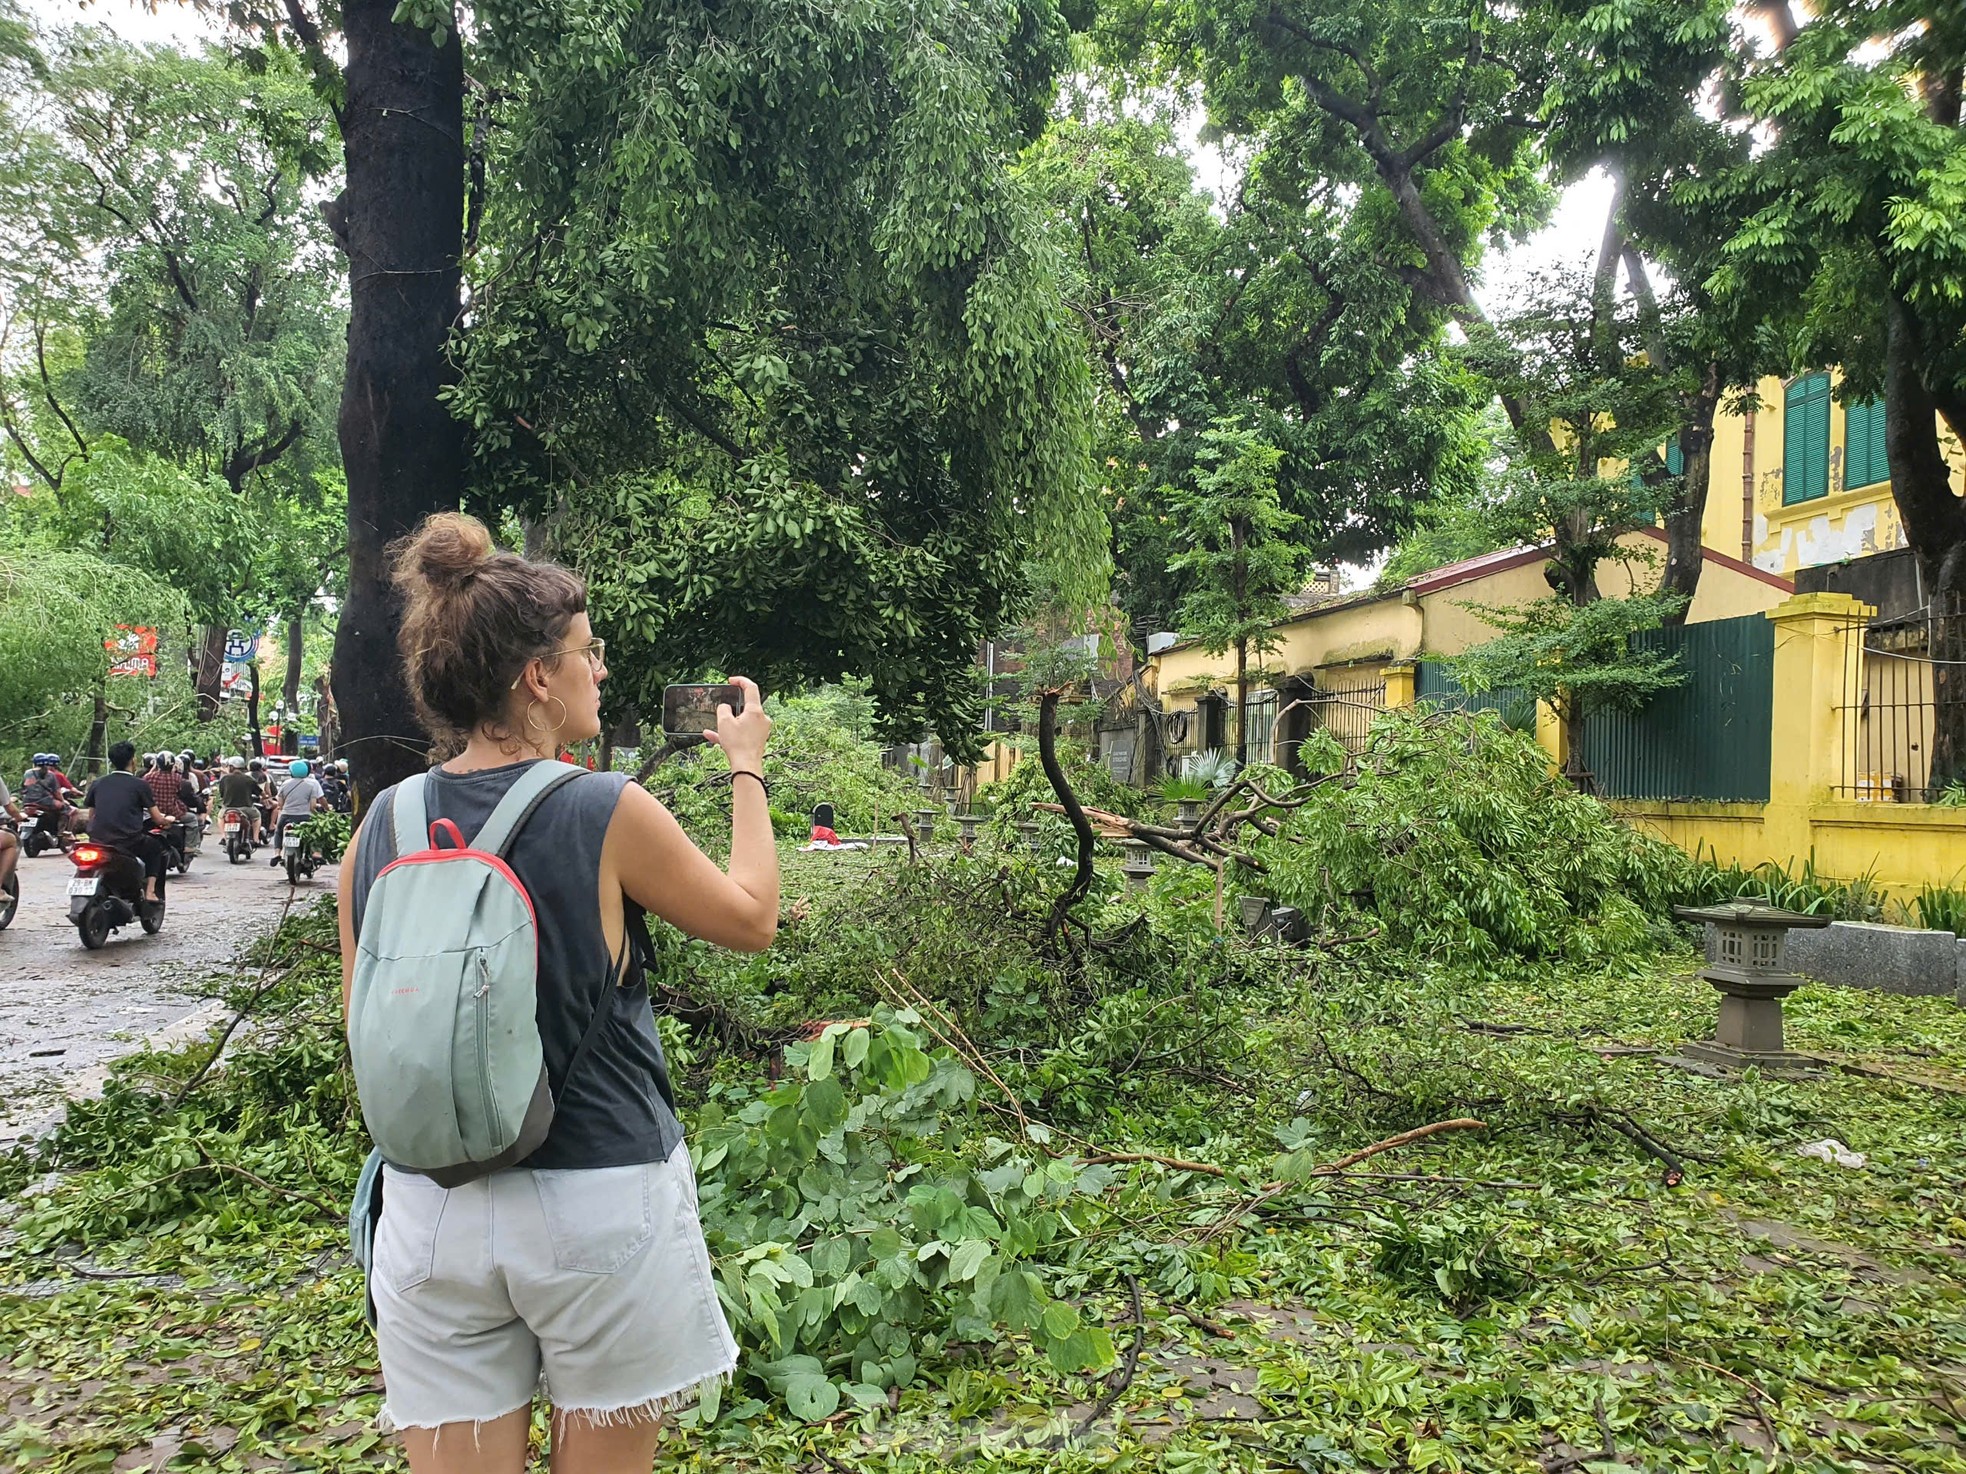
[689, 711]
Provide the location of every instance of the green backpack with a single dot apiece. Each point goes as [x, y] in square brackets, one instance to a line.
[442, 1024]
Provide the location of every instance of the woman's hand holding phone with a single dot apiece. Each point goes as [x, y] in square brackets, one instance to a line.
[742, 735]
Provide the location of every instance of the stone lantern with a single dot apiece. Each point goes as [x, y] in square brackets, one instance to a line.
[1745, 962]
[1187, 810]
[1029, 829]
[925, 824]
[1139, 866]
[966, 826]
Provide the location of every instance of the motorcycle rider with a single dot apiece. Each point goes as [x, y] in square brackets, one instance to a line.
[49, 790]
[300, 796]
[236, 790]
[334, 787]
[116, 811]
[167, 793]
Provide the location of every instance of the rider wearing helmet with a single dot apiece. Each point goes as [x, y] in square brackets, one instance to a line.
[237, 790]
[335, 787]
[300, 796]
[47, 789]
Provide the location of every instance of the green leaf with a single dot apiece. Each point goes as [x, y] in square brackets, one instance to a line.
[1060, 1319]
[825, 1104]
[819, 1063]
[811, 1396]
[854, 1051]
[967, 1259]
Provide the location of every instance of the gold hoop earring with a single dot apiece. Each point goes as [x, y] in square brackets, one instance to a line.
[532, 726]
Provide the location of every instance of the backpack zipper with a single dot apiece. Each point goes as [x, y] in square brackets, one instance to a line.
[482, 997]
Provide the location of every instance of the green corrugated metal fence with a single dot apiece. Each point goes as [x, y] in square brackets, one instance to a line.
[1707, 738]
[1435, 683]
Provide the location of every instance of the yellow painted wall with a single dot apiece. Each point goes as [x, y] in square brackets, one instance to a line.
[1903, 846]
[1847, 523]
[1353, 640]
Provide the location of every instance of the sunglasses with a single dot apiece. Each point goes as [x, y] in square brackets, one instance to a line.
[595, 650]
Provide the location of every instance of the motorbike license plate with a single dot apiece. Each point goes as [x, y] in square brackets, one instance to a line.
[232, 826]
[83, 885]
[291, 845]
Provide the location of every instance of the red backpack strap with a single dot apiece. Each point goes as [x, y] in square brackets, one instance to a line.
[444, 829]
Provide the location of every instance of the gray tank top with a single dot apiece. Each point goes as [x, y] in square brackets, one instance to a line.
[614, 1111]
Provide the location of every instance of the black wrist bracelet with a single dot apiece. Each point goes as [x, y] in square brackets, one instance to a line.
[736, 773]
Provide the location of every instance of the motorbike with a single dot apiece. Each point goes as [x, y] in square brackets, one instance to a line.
[106, 893]
[297, 855]
[44, 833]
[182, 842]
[237, 834]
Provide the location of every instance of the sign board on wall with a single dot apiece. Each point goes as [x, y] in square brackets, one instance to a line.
[135, 650]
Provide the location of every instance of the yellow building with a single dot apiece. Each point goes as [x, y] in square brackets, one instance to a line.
[1332, 656]
[1803, 480]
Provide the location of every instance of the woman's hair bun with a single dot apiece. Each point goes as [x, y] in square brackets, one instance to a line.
[445, 553]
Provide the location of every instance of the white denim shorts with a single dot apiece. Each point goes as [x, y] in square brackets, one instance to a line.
[593, 1286]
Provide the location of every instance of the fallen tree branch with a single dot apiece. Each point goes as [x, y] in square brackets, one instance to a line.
[1054, 772]
[1283, 1185]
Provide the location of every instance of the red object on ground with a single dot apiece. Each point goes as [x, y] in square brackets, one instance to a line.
[822, 835]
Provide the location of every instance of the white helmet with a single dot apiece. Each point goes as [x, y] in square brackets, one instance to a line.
[235, 761]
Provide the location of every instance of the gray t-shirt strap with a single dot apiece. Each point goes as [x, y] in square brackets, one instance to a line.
[412, 832]
[525, 795]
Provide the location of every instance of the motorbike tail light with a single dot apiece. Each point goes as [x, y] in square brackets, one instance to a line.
[87, 854]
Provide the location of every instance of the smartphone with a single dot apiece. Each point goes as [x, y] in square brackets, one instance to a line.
[689, 711]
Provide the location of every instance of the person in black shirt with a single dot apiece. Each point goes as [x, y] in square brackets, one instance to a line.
[119, 809]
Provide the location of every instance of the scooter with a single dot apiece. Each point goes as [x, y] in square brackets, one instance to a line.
[233, 829]
[106, 893]
[297, 855]
[43, 833]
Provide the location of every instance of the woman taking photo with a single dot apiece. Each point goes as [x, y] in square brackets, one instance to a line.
[582, 1271]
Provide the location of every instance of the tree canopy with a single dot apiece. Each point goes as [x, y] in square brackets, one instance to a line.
[765, 334]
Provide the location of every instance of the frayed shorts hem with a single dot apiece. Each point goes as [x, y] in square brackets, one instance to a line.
[387, 1422]
[640, 1410]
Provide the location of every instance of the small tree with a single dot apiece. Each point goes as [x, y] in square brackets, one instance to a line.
[1576, 483]
[1240, 547]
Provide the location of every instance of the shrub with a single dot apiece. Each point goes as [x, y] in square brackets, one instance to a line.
[1458, 839]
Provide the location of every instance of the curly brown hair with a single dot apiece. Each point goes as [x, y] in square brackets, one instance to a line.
[472, 617]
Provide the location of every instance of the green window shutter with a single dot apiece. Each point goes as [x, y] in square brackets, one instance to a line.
[1864, 460]
[1805, 440]
[1675, 457]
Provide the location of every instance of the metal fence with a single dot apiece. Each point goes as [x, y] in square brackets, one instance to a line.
[1904, 707]
[1344, 706]
[1436, 684]
[1706, 738]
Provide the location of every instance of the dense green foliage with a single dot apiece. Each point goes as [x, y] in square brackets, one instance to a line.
[1456, 839]
[1273, 306]
[769, 333]
[1459, 1306]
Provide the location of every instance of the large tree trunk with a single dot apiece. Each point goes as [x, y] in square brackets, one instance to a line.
[211, 672]
[94, 759]
[1242, 705]
[400, 220]
[296, 655]
[1935, 526]
[324, 715]
[252, 707]
[1685, 546]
